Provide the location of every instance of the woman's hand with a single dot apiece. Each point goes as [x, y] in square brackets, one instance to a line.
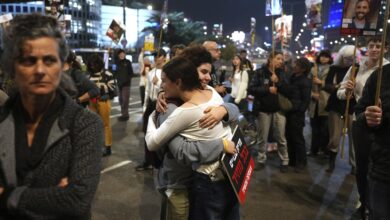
[1, 190]
[317, 81]
[161, 105]
[64, 182]
[213, 115]
[230, 148]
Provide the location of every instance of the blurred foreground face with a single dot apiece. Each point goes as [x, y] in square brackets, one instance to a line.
[38, 70]
[204, 71]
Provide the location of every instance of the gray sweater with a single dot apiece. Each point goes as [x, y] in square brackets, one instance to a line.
[181, 156]
[73, 150]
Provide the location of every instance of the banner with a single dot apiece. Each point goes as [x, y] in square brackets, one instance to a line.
[55, 7]
[164, 12]
[253, 30]
[314, 13]
[273, 7]
[239, 167]
[361, 17]
[115, 31]
[283, 28]
[65, 22]
[149, 43]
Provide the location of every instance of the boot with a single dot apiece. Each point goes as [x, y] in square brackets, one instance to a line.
[332, 161]
[107, 151]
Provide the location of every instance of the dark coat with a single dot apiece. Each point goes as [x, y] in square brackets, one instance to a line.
[73, 150]
[380, 150]
[334, 104]
[259, 87]
[300, 95]
[123, 73]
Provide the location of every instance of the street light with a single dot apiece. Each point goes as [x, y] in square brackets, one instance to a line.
[150, 7]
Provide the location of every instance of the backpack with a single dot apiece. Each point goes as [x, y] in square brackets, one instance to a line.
[112, 92]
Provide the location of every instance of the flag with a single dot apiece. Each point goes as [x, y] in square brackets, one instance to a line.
[164, 12]
[273, 7]
[283, 27]
[314, 13]
[366, 21]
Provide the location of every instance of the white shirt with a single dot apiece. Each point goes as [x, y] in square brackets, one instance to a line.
[151, 90]
[239, 86]
[360, 80]
[185, 121]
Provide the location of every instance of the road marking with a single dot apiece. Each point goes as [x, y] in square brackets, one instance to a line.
[116, 166]
[130, 112]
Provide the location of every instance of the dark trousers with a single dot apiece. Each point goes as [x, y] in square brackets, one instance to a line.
[213, 200]
[379, 197]
[362, 143]
[320, 134]
[150, 107]
[295, 140]
[142, 93]
[124, 98]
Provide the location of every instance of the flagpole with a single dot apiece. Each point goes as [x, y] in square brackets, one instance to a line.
[349, 96]
[384, 33]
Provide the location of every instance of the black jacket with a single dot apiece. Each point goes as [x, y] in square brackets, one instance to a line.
[124, 72]
[300, 93]
[259, 88]
[380, 151]
[334, 103]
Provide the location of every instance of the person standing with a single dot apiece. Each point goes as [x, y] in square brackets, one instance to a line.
[239, 84]
[374, 119]
[299, 90]
[361, 140]
[152, 89]
[104, 80]
[267, 82]
[336, 107]
[212, 48]
[123, 74]
[319, 99]
[51, 147]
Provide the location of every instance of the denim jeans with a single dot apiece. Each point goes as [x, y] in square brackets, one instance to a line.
[213, 200]
[379, 200]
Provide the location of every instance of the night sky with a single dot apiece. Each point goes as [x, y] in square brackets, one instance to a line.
[234, 14]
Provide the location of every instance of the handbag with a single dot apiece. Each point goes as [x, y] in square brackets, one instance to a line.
[284, 103]
[112, 91]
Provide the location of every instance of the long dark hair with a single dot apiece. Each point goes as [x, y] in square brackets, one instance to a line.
[183, 69]
[273, 55]
[241, 66]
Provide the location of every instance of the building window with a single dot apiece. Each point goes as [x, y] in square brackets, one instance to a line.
[25, 9]
[39, 9]
[10, 8]
[3, 8]
[17, 8]
[32, 9]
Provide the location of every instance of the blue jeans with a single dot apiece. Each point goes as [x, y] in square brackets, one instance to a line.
[379, 200]
[213, 200]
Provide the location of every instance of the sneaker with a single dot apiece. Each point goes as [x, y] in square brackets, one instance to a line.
[144, 166]
[123, 118]
[284, 168]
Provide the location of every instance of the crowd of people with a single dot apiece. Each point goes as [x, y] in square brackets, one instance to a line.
[58, 121]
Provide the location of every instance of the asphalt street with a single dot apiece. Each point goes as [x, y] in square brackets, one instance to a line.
[125, 194]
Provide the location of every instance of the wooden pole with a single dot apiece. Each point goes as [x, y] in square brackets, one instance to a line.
[384, 33]
[352, 77]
